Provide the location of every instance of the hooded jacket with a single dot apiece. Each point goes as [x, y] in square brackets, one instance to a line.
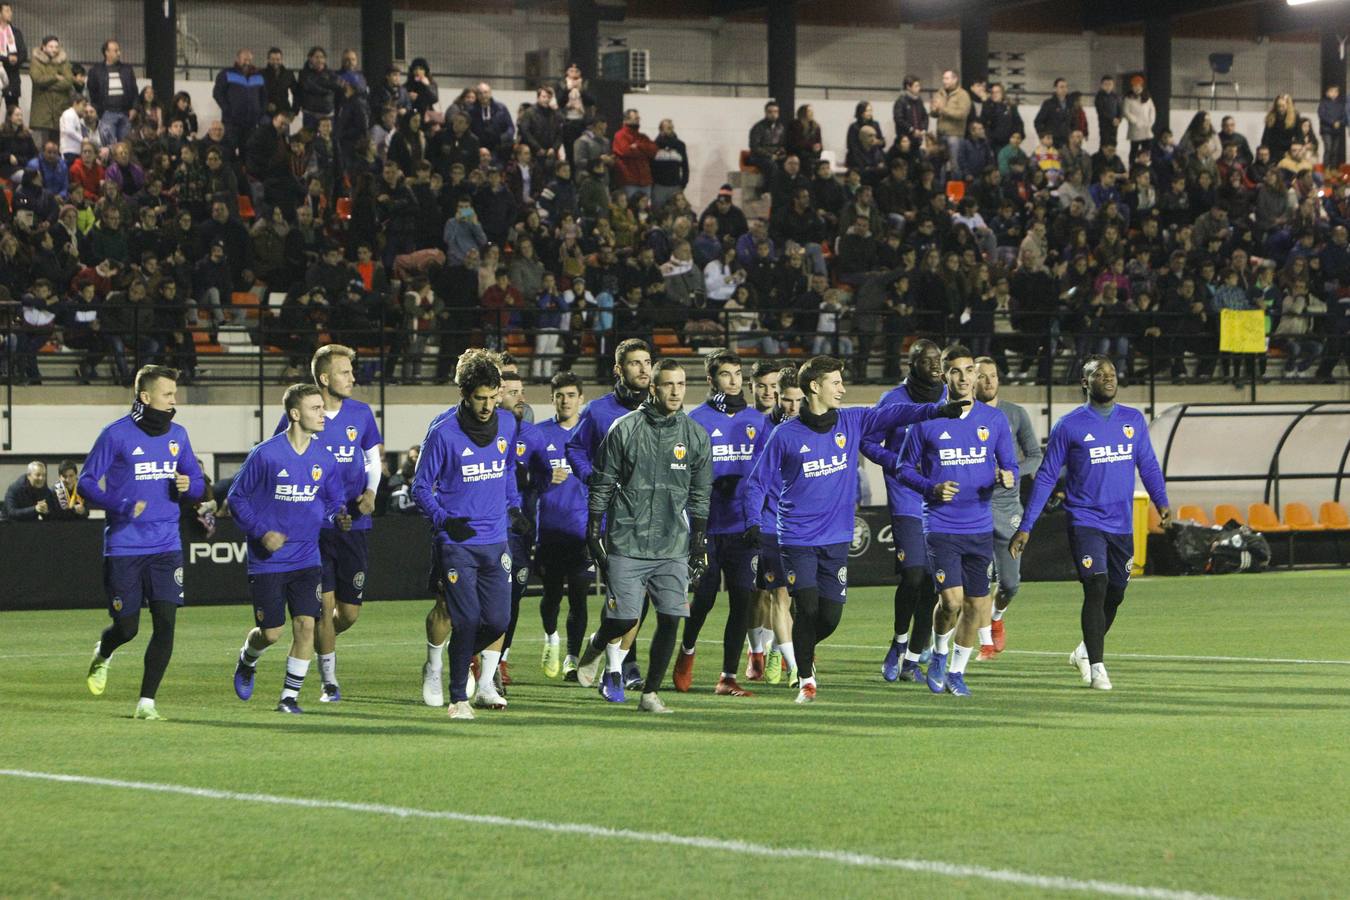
[52, 84]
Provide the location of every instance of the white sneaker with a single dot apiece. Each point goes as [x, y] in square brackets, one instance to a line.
[1100, 680]
[652, 703]
[488, 698]
[461, 710]
[433, 692]
[588, 667]
[1079, 660]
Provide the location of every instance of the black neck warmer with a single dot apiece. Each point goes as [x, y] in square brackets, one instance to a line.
[729, 404]
[153, 422]
[628, 398]
[481, 433]
[819, 424]
[923, 391]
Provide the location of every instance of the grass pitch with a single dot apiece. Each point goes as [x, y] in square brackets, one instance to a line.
[1219, 765]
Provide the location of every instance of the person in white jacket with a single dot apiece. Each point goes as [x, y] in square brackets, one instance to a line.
[73, 130]
[1140, 115]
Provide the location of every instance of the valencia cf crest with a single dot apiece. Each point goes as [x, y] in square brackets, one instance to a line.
[452, 576]
[506, 563]
[501, 445]
[520, 448]
[941, 576]
[768, 576]
[840, 440]
[680, 451]
[258, 614]
[173, 448]
[1087, 562]
[900, 555]
[351, 432]
[1129, 431]
[117, 604]
[750, 432]
[316, 472]
[792, 577]
[982, 433]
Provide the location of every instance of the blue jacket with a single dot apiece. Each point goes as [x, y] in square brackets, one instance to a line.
[241, 96]
[55, 179]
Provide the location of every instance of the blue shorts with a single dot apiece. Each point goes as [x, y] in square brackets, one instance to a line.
[521, 550]
[274, 592]
[344, 559]
[911, 551]
[962, 560]
[477, 584]
[729, 556]
[770, 575]
[824, 568]
[1097, 552]
[564, 558]
[132, 581]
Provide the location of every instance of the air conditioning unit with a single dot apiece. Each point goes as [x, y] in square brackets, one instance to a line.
[632, 67]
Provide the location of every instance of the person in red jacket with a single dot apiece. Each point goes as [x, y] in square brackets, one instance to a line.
[87, 170]
[633, 155]
[501, 304]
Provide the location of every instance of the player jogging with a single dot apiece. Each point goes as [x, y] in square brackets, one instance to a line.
[351, 434]
[520, 536]
[465, 485]
[1007, 504]
[954, 466]
[732, 429]
[281, 497]
[812, 461]
[764, 381]
[915, 595]
[648, 517]
[1102, 444]
[139, 469]
[632, 385]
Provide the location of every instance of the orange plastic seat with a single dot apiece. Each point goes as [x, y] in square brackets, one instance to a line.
[1333, 516]
[1298, 517]
[1195, 513]
[956, 190]
[745, 164]
[246, 207]
[1262, 518]
[1225, 512]
[344, 208]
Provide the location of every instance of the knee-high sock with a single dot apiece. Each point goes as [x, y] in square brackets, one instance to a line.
[660, 651]
[1094, 617]
[119, 631]
[160, 649]
[805, 610]
[704, 600]
[517, 590]
[733, 635]
[609, 630]
[827, 619]
[578, 594]
[1114, 597]
[550, 604]
[925, 599]
[906, 595]
[632, 658]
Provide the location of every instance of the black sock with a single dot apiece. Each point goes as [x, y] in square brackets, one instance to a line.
[926, 600]
[1114, 597]
[1094, 617]
[662, 648]
[738, 622]
[827, 619]
[805, 609]
[578, 594]
[907, 595]
[550, 604]
[160, 649]
[610, 629]
[704, 600]
[119, 631]
[632, 658]
[517, 589]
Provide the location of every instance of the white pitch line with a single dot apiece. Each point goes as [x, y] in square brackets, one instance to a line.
[1155, 656]
[744, 848]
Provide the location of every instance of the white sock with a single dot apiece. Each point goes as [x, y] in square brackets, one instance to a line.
[998, 614]
[789, 654]
[434, 655]
[943, 641]
[756, 640]
[551, 638]
[805, 681]
[328, 667]
[249, 657]
[614, 654]
[960, 655]
[506, 654]
[911, 655]
[488, 666]
[986, 635]
[902, 638]
[765, 639]
[687, 651]
[144, 702]
[1081, 650]
[296, 670]
[1098, 671]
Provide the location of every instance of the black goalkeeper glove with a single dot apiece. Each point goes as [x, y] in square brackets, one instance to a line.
[458, 529]
[595, 544]
[698, 551]
[951, 410]
[521, 526]
[751, 537]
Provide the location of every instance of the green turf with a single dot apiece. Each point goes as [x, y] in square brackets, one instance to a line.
[1221, 777]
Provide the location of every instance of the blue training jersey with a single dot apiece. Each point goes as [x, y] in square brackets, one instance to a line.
[348, 434]
[526, 442]
[562, 507]
[293, 493]
[733, 453]
[1102, 453]
[766, 517]
[595, 423]
[126, 466]
[903, 501]
[816, 474]
[970, 451]
[456, 478]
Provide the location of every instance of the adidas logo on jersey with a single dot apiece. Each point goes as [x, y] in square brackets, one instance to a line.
[1088, 437]
[805, 449]
[944, 436]
[466, 452]
[717, 432]
[551, 447]
[283, 474]
[138, 452]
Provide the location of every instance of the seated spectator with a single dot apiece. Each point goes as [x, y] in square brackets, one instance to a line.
[29, 499]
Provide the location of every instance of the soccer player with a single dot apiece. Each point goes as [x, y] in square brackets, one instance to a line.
[646, 529]
[955, 466]
[915, 595]
[466, 487]
[139, 469]
[281, 497]
[632, 385]
[351, 434]
[1102, 444]
[732, 429]
[520, 536]
[764, 379]
[561, 555]
[508, 365]
[1007, 503]
[811, 462]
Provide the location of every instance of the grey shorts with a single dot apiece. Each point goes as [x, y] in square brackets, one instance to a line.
[666, 581]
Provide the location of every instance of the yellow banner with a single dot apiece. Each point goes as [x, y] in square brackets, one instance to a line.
[1242, 331]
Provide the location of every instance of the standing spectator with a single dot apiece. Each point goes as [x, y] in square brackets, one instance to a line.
[633, 155]
[1109, 110]
[670, 166]
[391, 92]
[1055, 116]
[350, 72]
[317, 89]
[590, 148]
[540, 127]
[241, 93]
[1140, 115]
[423, 94]
[352, 126]
[52, 83]
[862, 118]
[975, 154]
[491, 123]
[74, 134]
[1281, 126]
[767, 142]
[13, 51]
[463, 233]
[1000, 118]
[113, 91]
[803, 136]
[951, 107]
[911, 119]
[1331, 117]
[278, 84]
[29, 498]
